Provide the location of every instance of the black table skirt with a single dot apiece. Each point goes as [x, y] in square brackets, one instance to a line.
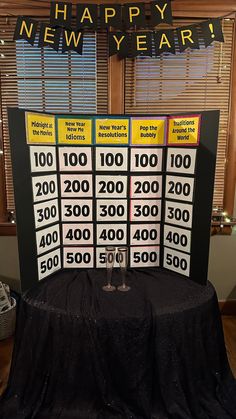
[156, 352]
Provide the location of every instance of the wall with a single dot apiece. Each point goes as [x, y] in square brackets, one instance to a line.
[9, 263]
[222, 264]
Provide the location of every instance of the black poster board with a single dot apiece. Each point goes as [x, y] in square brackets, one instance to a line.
[83, 182]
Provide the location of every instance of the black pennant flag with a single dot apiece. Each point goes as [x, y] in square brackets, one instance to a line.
[119, 43]
[72, 41]
[110, 15]
[187, 37]
[141, 44]
[164, 41]
[60, 14]
[87, 16]
[212, 31]
[49, 36]
[134, 15]
[26, 28]
[161, 12]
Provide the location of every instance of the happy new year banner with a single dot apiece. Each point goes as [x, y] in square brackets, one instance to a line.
[121, 18]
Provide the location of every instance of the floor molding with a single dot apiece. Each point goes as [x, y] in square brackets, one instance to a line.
[228, 307]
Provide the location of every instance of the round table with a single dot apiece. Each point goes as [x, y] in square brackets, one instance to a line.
[155, 352]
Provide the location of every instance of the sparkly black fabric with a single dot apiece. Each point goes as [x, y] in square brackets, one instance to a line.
[156, 352]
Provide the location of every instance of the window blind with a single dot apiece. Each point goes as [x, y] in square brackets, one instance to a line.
[195, 80]
[44, 80]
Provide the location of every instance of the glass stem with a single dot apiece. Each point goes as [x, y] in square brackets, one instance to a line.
[123, 278]
[109, 277]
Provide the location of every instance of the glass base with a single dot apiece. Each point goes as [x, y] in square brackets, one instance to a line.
[123, 288]
[108, 288]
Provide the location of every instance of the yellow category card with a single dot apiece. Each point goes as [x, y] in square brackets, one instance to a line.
[112, 131]
[40, 128]
[147, 131]
[74, 131]
[184, 130]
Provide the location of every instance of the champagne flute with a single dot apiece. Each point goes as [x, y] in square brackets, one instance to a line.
[123, 261]
[110, 259]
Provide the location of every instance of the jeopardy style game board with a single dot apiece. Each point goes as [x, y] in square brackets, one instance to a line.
[83, 182]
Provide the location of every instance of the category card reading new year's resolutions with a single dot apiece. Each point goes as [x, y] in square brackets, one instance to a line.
[148, 131]
[112, 131]
[184, 130]
[40, 128]
[74, 131]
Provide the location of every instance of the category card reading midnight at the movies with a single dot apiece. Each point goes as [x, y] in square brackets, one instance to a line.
[113, 180]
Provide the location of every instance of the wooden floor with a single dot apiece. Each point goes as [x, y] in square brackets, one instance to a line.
[229, 324]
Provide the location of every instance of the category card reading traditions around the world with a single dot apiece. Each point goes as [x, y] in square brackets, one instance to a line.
[184, 130]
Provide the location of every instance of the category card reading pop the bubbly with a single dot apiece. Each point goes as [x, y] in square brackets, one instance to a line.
[148, 256]
[111, 158]
[184, 130]
[146, 160]
[74, 131]
[112, 131]
[77, 210]
[76, 186]
[78, 257]
[148, 131]
[176, 261]
[111, 186]
[180, 160]
[46, 213]
[43, 158]
[180, 188]
[75, 159]
[74, 234]
[44, 187]
[145, 210]
[49, 263]
[40, 128]
[146, 187]
[109, 210]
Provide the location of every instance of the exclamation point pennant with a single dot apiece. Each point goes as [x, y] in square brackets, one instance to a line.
[212, 31]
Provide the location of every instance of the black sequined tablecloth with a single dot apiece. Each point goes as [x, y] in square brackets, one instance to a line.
[156, 352]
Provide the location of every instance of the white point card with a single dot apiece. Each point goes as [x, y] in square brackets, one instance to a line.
[78, 257]
[44, 187]
[43, 158]
[176, 261]
[76, 186]
[146, 160]
[46, 213]
[181, 160]
[47, 239]
[180, 188]
[75, 159]
[144, 256]
[49, 263]
[146, 187]
[111, 159]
